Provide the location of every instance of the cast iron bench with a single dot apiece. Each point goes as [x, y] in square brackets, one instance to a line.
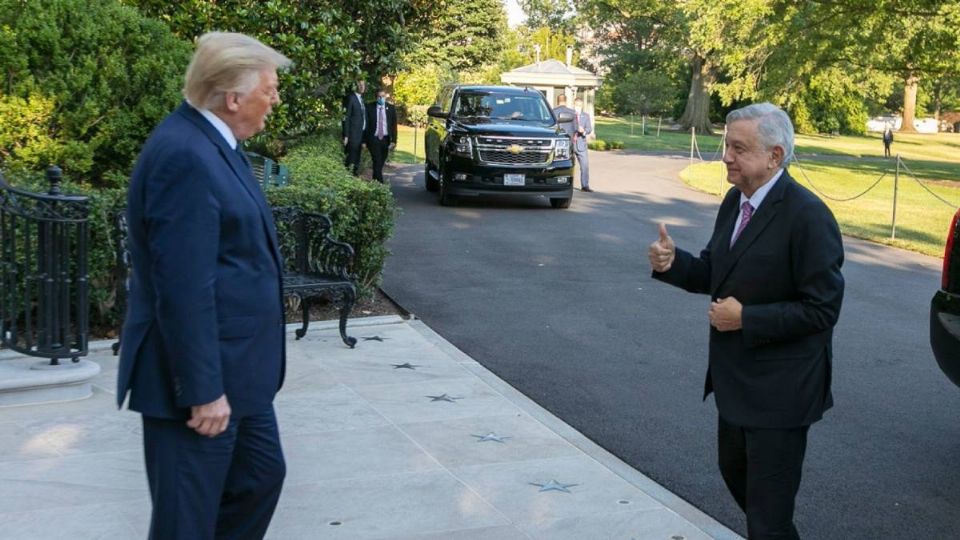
[315, 265]
[267, 171]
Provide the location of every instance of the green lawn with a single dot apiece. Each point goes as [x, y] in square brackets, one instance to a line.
[922, 219]
[939, 147]
[404, 151]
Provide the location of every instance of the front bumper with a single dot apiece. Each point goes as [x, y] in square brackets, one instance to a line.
[945, 333]
[464, 177]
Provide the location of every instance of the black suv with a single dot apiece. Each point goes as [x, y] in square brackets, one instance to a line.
[945, 308]
[497, 139]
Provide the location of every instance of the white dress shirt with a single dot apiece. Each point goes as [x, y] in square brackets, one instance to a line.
[755, 200]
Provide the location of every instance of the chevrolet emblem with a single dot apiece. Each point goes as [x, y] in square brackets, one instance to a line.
[514, 149]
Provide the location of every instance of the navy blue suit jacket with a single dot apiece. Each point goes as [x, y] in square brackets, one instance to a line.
[205, 315]
[785, 270]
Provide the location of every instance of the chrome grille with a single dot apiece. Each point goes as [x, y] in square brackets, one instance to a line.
[497, 150]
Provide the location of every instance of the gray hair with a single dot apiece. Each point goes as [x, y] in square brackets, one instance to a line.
[227, 62]
[774, 126]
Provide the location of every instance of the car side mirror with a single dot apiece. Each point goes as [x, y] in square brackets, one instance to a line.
[436, 112]
[564, 117]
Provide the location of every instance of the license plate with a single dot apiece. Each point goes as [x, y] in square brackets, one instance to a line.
[514, 179]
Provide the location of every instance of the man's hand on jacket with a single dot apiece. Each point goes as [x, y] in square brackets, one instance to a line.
[210, 419]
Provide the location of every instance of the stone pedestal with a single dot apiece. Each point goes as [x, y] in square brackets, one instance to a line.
[25, 380]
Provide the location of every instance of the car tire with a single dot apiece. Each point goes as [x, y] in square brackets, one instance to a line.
[446, 199]
[429, 182]
[561, 203]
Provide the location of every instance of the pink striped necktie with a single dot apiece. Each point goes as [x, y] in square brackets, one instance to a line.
[381, 132]
[747, 210]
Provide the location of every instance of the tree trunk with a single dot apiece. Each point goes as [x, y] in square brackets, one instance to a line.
[909, 103]
[696, 113]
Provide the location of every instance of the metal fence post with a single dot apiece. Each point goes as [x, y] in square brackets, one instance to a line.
[693, 140]
[896, 183]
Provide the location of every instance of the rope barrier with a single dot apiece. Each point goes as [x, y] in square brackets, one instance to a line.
[924, 186]
[818, 190]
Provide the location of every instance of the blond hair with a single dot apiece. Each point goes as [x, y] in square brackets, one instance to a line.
[227, 62]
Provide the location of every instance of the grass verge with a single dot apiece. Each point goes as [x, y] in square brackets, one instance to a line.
[922, 220]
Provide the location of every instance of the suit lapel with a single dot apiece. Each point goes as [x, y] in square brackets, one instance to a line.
[243, 173]
[762, 217]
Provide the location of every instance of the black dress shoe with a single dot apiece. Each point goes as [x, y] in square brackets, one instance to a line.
[588, 190]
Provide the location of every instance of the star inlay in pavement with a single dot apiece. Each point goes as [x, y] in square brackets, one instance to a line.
[553, 485]
[444, 397]
[407, 365]
[374, 338]
[491, 437]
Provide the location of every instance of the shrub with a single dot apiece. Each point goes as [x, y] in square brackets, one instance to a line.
[615, 145]
[598, 144]
[85, 82]
[362, 211]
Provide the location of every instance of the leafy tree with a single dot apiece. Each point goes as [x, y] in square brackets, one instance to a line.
[463, 35]
[557, 15]
[84, 83]
[332, 43]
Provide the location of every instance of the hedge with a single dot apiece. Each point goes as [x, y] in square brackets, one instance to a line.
[363, 212]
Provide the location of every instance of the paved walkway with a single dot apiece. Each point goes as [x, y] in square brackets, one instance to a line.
[402, 437]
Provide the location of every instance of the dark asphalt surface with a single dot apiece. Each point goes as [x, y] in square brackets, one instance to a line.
[559, 303]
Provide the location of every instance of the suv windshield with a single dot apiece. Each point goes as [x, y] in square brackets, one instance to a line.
[524, 107]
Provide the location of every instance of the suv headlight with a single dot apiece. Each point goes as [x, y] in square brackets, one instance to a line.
[561, 149]
[460, 145]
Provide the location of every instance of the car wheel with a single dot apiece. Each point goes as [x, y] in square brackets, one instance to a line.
[561, 203]
[431, 183]
[446, 199]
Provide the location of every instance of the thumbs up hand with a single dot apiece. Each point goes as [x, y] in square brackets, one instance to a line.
[662, 251]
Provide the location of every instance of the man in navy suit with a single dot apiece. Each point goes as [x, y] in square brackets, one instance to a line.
[353, 127]
[381, 132]
[772, 269]
[203, 339]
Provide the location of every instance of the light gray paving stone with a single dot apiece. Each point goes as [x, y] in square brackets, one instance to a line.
[72, 481]
[90, 433]
[17, 444]
[352, 454]
[656, 524]
[508, 487]
[305, 377]
[99, 521]
[335, 409]
[99, 403]
[405, 403]
[368, 369]
[453, 444]
[485, 533]
[392, 505]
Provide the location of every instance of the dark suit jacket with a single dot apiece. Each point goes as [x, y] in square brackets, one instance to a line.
[785, 270]
[205, 313]
[353, 119]
[370, 133]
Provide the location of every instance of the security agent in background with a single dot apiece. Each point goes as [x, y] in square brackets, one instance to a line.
[381, 132]
[354, 125]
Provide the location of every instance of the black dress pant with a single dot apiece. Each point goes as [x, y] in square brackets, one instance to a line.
[762, 469]
[225, 487]
[352, 158]
[379, 149]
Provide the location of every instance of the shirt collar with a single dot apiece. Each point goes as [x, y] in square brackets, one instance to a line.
[761, 192]
[220, 126]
